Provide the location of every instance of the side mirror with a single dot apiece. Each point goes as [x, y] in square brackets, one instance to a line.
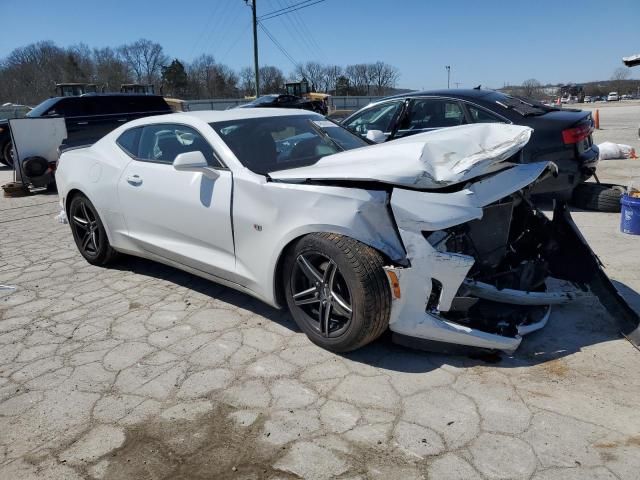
[376, 136]
[194, 162]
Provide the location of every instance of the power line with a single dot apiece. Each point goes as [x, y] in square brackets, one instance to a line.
[296, 34]
[286, 8]
[277, 44]
[291, 9]
[298, 18]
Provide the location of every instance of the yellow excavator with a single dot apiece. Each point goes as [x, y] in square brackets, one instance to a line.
[301, 89]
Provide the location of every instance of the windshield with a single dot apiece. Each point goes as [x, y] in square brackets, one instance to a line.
[41, 109]
[263, 100]
[269, 144]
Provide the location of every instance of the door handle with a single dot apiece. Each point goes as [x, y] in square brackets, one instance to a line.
[134, 180]
[82, 123]
[122, 120]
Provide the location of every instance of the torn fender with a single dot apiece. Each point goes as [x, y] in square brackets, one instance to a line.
[575, 261]
[429, 160]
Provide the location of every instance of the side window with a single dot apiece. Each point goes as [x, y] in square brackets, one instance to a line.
[71, 107]
[128, 141]
[379, 117]
[162, 143]
[434, 113]
[480, 115]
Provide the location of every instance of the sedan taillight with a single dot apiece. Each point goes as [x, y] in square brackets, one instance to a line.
[576, 134]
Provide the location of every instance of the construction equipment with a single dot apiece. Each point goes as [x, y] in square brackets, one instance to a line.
[301, 89]
[75, 89]
[139, 88]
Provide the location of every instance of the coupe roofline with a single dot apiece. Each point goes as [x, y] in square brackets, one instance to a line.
[209, 116]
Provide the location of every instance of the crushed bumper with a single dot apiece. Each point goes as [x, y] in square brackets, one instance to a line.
[437, 284]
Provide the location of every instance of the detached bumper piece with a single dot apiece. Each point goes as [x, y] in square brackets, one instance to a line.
[576, 262]
[519, 297]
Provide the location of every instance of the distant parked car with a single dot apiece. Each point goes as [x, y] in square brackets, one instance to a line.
[560, 135]
[613, 97]
[588, 99]
[287, 101]
[88, 117]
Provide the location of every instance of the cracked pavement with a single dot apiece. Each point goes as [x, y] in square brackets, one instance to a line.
[142, 371]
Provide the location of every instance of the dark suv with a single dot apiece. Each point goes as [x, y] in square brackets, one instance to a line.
[88, 117]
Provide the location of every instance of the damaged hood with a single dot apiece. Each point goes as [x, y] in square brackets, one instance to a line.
[429, 160]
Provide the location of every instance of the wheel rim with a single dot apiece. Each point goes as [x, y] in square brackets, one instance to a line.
[86, 229]
[321, 292]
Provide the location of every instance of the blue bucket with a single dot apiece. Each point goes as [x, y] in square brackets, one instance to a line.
[630, 218]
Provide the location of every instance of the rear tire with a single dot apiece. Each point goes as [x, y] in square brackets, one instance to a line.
[600, 197]
[89, 232]
[6, 156]
[337, 291]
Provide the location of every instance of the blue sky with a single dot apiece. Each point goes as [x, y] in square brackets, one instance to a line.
[486, 42]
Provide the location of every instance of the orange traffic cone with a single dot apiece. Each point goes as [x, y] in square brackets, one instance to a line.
[596, 119]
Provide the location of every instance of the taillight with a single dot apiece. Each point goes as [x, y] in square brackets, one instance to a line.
[576, 134]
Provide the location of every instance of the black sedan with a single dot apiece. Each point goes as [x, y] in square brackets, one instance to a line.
[562, 136]
[287, 101]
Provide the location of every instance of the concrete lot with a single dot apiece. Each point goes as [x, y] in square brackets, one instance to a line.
[141, 371]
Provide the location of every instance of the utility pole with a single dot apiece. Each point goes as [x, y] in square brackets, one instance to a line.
[448, 67]
[255, 45]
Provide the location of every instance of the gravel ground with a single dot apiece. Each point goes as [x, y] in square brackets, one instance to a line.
[141, 371]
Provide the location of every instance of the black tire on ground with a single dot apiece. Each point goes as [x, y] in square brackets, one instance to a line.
[601, 197]
[337, 291]
[5, 154]
[88, 231]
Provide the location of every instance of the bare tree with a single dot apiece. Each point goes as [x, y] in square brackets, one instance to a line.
[531, 88]
[30, 73]
[247, 82]
[618, 78]
[358, 76]
[331, 75]
[211, 79]
[271, 79]
[145, 59]
[78, 65]
[314, 73]
[110, 70]
[383, 77]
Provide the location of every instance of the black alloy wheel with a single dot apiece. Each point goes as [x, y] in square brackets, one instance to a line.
[319, 289]
[337, 291]
[88, 231]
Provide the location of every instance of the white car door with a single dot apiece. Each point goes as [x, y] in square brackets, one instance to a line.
[182, 216]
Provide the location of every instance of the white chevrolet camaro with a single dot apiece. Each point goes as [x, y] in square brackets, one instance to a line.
[433, 236]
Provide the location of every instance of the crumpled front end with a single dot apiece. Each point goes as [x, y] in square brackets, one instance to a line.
[480, 263]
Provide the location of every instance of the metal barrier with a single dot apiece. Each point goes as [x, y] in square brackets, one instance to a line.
[335, 103]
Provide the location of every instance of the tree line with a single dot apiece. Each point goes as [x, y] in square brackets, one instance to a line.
[29, 74]
[619, 81]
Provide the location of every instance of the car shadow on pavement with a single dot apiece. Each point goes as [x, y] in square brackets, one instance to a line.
[571, 328]
[211, 289]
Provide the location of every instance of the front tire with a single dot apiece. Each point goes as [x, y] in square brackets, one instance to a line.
[89, 232]
[337, 291]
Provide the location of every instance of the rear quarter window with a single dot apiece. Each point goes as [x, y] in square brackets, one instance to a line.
[129, 140]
